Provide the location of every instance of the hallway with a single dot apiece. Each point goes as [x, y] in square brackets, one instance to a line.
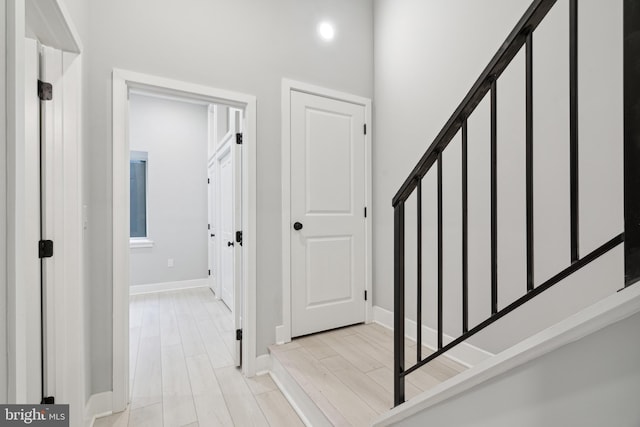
[182, 371]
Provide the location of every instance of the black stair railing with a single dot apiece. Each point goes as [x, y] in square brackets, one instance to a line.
[522, 35]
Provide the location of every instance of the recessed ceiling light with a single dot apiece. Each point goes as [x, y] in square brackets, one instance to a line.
[326, 31]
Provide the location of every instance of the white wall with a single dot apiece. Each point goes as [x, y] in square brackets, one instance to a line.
[3, 211]
[592, 382]
[427, 56]
[174, 134]
[246, 46]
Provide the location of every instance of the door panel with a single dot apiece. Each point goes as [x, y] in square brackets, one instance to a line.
[226, 229]
[327, 199]
[213, 230]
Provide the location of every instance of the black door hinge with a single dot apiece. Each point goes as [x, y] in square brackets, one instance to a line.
[239, 237]
[238, 334]
[208, 181]
[209, 272]
[238, 138]
[45, 91]
[45, 248]
[365, 295]
[365, 128]
[49, 400]
[365, 211]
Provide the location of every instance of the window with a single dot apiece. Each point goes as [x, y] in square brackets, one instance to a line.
[138, 230]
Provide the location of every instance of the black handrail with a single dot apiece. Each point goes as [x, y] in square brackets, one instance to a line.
[522, 35]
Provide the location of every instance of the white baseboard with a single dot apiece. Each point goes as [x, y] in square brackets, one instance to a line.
[99, 405]
[168, 286]
[464, 353]
[281, 336]
[263, 364]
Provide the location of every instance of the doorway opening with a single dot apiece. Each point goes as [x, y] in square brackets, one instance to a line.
[213, 202]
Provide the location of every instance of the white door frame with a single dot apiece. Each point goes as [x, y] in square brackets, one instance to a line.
[51, 24]
[3, 209]
[122, 81]
[283, 332]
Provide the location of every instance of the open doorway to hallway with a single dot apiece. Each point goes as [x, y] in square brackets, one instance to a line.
[167, 159]
[185, 191]
[184, 195]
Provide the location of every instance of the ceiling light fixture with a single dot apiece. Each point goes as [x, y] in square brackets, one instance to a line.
[326, 31]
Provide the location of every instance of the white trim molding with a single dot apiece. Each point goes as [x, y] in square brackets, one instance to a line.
[464, 353]
[140, 242]
[263, 364]
[52, 25]
[168, 286]
[99, 405]
[283, 331]
[123, 81]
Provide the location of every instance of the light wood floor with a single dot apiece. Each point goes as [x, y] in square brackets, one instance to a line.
[182, 371]
[348, 372]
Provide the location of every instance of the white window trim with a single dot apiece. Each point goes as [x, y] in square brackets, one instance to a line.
[140, 242]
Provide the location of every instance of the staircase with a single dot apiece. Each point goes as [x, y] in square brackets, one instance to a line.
[431, 163]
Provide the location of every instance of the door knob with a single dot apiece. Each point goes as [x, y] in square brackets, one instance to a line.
[297, 226]
[213, 235]
[229, 243]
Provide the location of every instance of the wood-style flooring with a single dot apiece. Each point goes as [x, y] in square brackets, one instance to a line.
[348, 372]
[182, 370]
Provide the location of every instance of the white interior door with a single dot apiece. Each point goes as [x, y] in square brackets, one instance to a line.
[227, 238]
[238, 283]
[212, 229]
[53, 209]
[31, 197]
[328, 249]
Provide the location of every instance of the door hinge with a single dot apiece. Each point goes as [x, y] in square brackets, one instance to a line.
[365, 211]
[238, 138]
[208, 226]
[208, 181]
[209, 272]
[365, 128]
[238, 334]
[49, 400]
[365, 295]
[45, 248]
[45, 91]
[239, 237]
